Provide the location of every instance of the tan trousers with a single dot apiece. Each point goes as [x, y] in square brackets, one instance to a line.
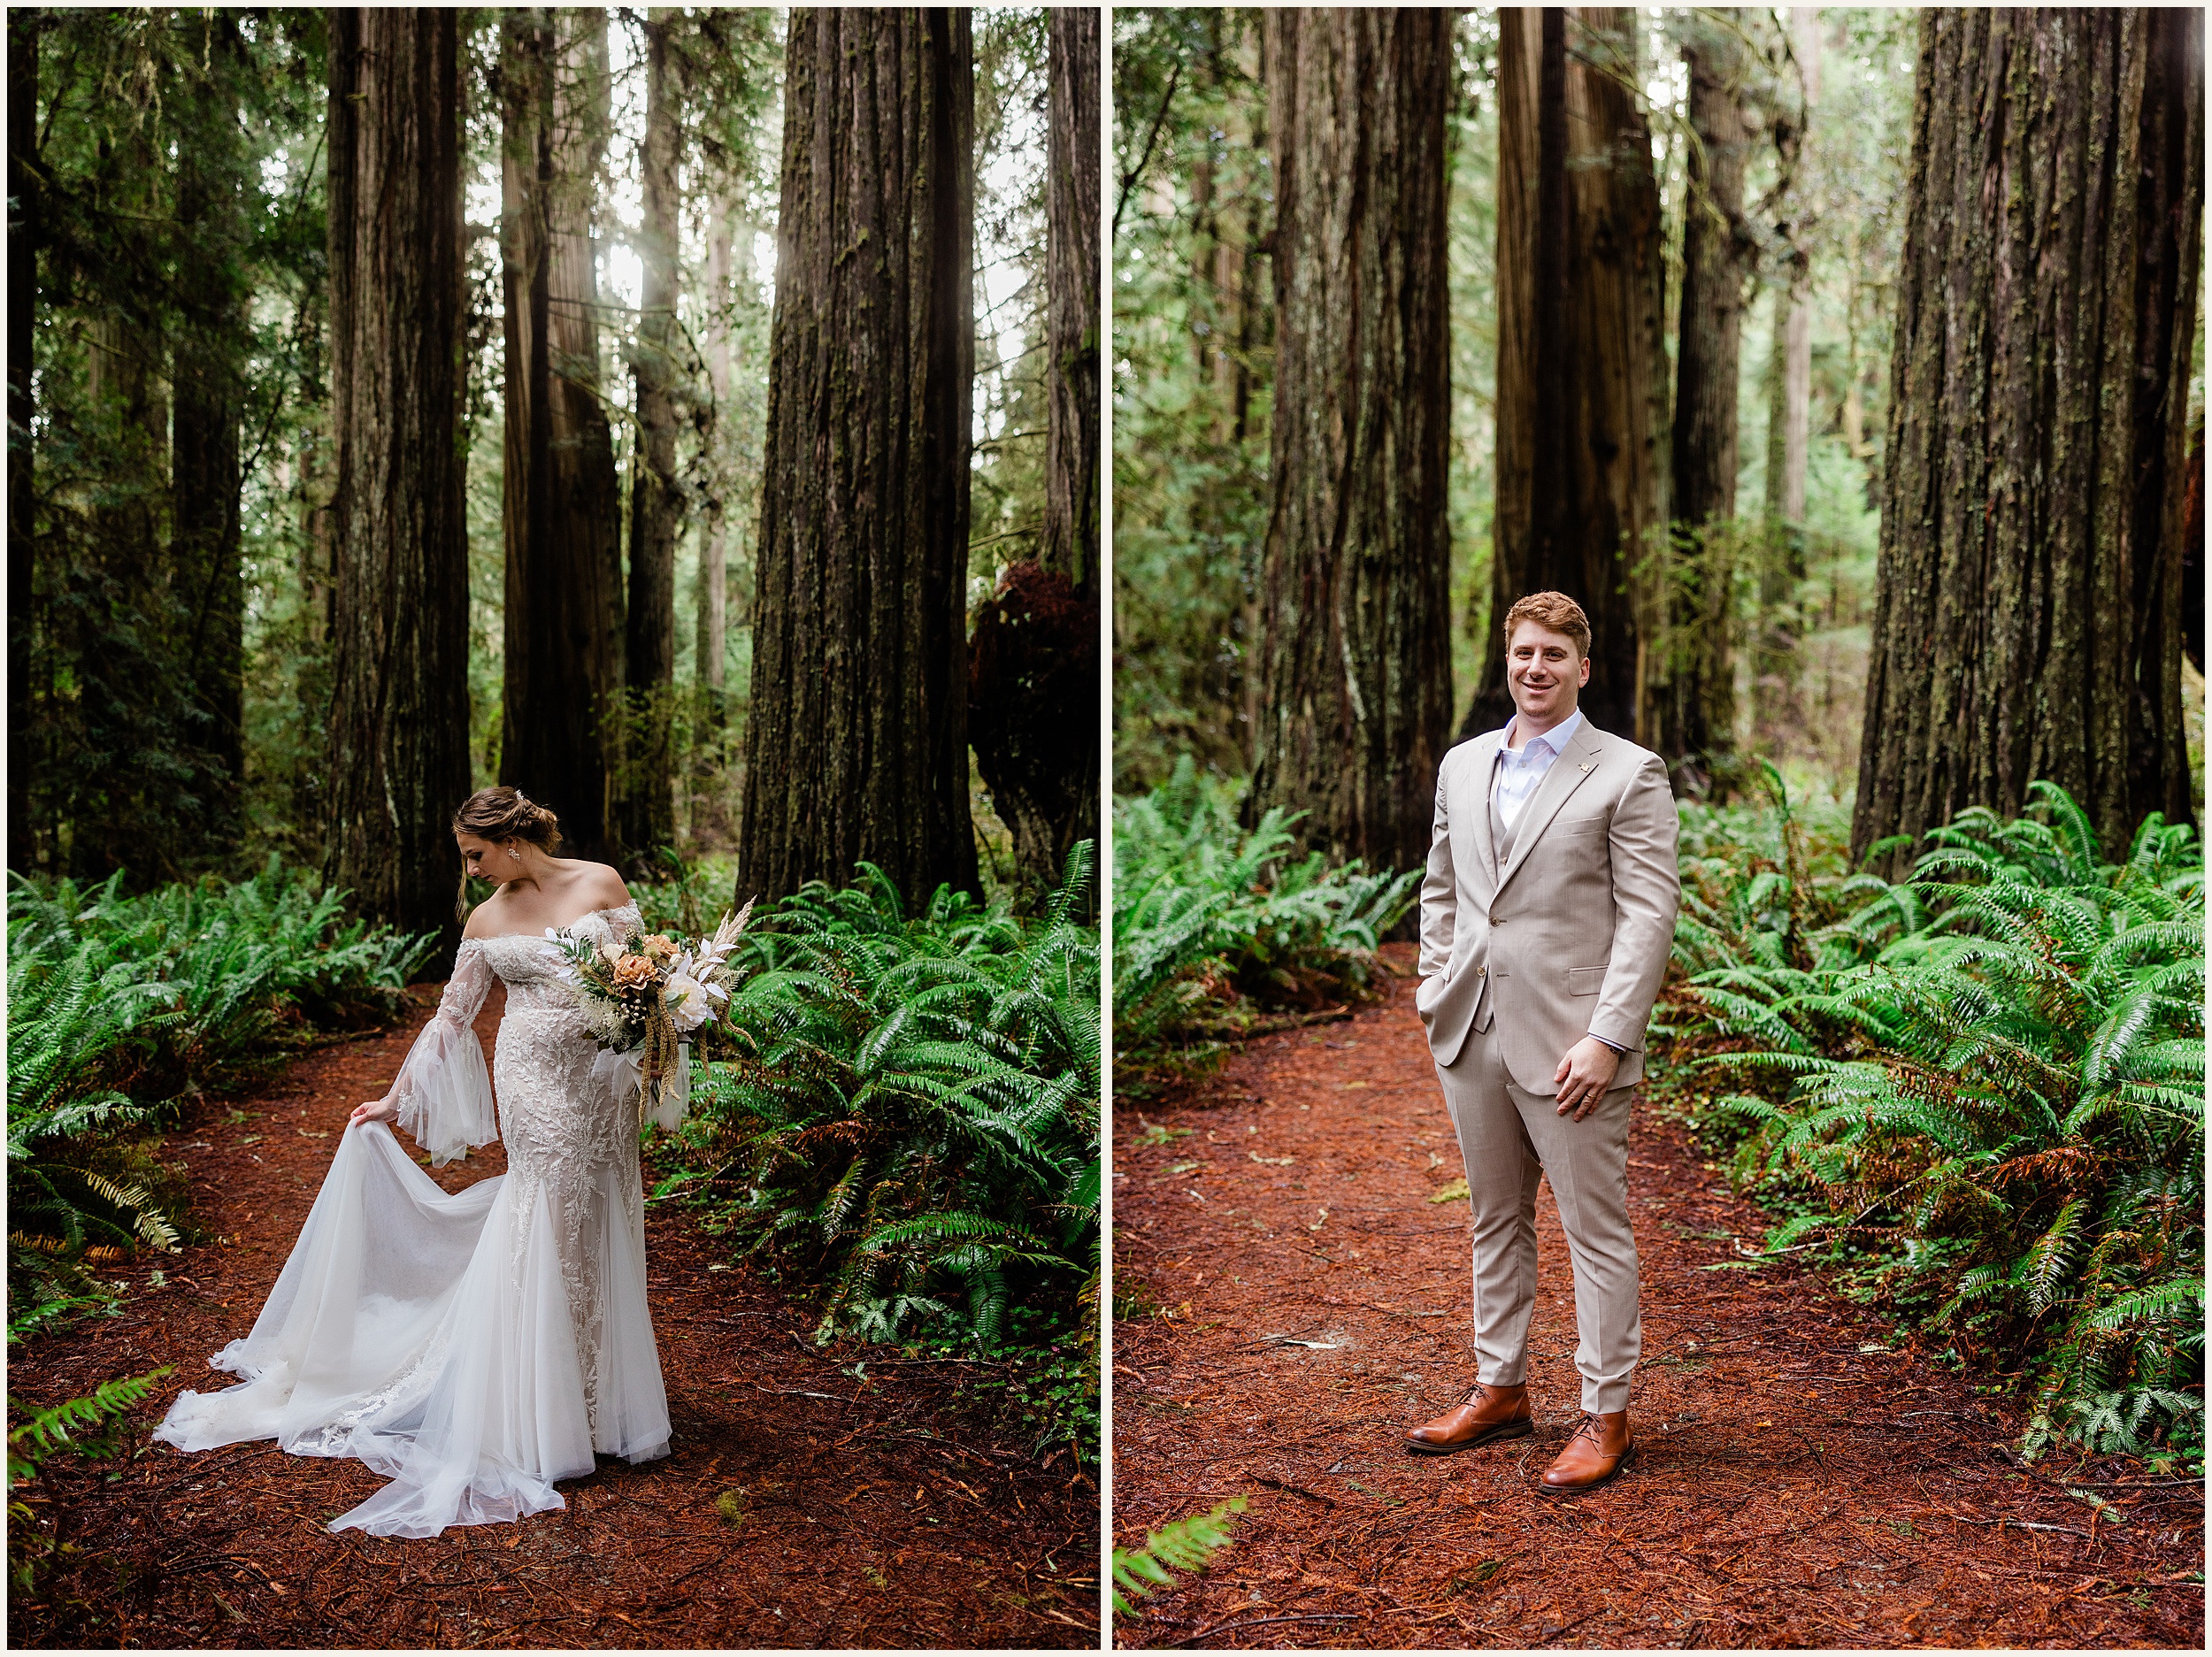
[1508, 1138]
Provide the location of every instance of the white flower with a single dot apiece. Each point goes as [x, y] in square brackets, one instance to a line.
[688, 1004]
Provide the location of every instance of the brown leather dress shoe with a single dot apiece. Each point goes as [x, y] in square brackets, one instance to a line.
[1490, 1413]
[1596, 1451]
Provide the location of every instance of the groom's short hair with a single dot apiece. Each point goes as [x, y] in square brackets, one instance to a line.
[1553, 611]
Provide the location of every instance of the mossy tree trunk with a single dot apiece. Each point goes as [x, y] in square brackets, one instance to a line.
[2027, 621]
[856, 744]
[1354, 622]
[560, 729]
[1071, 254]
[399, 762]
[656, 505]
[1580, 361]
[1033, 682]
[23, 233]
[1692, 693]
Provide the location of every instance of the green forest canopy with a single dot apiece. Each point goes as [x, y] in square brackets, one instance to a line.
[170, 605]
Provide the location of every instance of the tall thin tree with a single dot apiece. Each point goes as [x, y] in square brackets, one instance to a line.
[23, 239]
[1580, 475]
[2027, 619]
[399, 758]
[1033, 683]
[563, 660]
[856, 744]
[657, 501]
[1695, 700]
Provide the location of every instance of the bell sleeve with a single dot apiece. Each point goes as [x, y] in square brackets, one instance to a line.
[444, 1094]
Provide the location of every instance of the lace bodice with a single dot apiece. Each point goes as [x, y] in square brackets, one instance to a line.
[443, 1094]
[529, 966]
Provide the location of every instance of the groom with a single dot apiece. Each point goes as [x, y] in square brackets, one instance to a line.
[1547, 915]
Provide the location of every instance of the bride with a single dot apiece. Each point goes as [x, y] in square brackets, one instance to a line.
[474, 1347]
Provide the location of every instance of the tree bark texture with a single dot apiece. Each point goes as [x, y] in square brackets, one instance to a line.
[1356, 615]
[1071, 175]
[1032, 669]
[560, 732]
[1580, 358]
[1694, 701]
[2027, 620]
[656, 505]
[23, 238]
[1032, 715]
[399, 758]
[205, 482]
[857, 745]
[711, 643]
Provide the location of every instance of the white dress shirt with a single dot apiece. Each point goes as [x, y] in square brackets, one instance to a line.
[1521, 769]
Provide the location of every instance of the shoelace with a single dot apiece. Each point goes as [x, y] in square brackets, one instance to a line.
[1591, 1428]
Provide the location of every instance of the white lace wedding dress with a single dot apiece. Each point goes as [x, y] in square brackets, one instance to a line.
[472, 1347]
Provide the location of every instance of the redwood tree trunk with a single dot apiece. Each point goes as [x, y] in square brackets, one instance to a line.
[709, 814]
[1072, 160]
[203, 558]
[857, 745]
[399, 759]
[2027, 619]
[1033, 681]
[1355, 650]
[655, 500]
[1694, 699]
[23, 232]
[560, 741]
[1579, 290]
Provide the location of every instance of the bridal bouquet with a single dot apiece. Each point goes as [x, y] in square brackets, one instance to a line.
[643, 994]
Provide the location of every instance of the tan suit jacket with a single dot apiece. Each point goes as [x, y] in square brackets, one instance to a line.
[1570, 937]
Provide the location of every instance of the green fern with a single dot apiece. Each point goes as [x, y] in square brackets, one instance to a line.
[120, 1003]
[1213, 921]
[1996, 1067]
[904, 1107]
[73, 1424]
[1187, 1545]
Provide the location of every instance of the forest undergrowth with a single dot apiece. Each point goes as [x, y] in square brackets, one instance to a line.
[1222, 931]
[1976, 1093]
[899, 1121]
[896, 1127]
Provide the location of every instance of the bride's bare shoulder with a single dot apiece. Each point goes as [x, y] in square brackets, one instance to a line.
[601, 884]
[484, 919]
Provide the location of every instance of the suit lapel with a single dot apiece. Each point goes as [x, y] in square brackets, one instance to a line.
[1568, 774]
[1485, 763]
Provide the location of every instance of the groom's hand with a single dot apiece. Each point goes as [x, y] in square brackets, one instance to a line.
[1584, 1074]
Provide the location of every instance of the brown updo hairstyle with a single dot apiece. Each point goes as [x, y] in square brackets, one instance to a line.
[501, 815]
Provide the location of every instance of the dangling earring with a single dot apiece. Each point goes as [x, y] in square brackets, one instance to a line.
[514, 853]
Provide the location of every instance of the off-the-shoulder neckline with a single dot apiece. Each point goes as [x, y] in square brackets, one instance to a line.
[563, 926]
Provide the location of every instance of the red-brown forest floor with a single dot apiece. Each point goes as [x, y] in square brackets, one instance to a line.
[876, 1509]
[1797, 1484]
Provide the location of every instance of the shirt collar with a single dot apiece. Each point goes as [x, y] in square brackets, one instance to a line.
[1555, 739]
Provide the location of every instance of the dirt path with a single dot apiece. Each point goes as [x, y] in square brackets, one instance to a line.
[1793, 1488]
[872, 1510]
